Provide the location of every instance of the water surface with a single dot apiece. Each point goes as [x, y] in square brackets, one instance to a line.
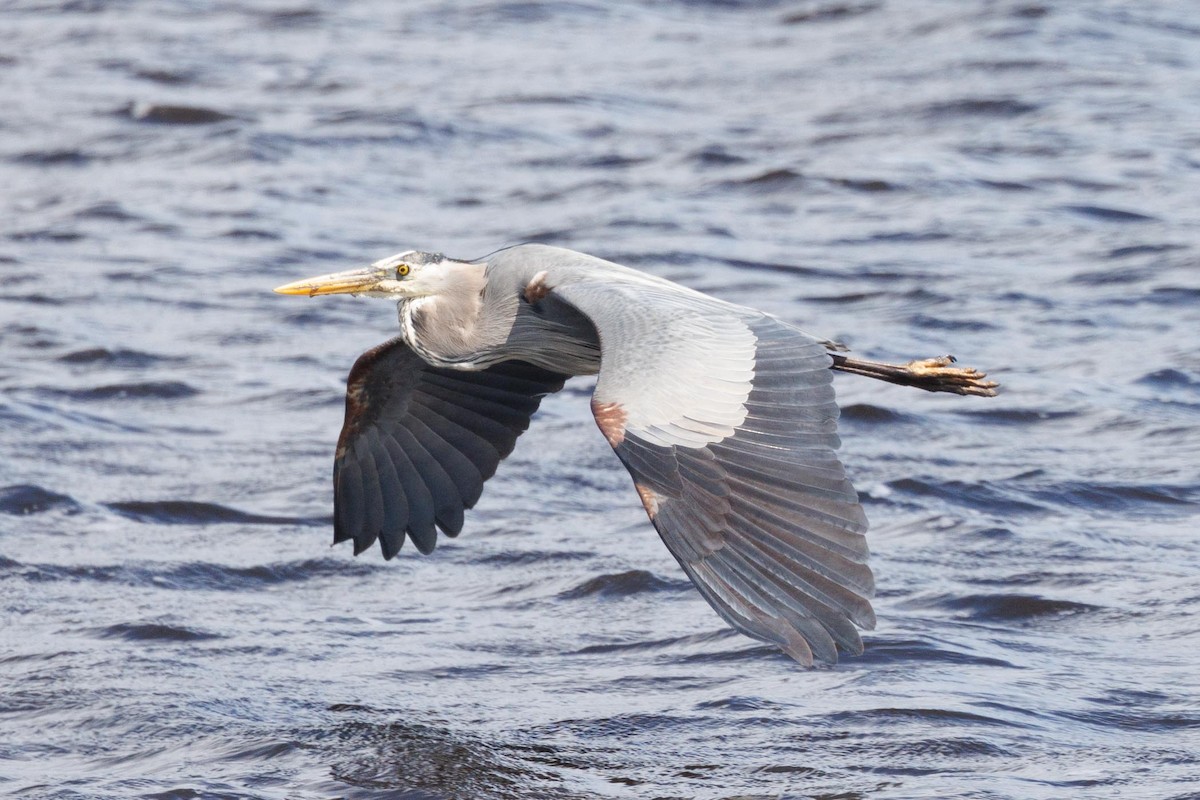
[1013, 182]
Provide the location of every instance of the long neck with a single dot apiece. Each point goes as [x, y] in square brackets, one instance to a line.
[471, 320]
[453, 327]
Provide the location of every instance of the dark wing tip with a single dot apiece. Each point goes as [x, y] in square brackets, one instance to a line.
[418, 442]
[390, 544]
[424, 539]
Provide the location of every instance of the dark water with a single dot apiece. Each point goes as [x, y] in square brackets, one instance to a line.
[1014, 182]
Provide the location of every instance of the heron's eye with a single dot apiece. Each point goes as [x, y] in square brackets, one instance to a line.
[402, 270]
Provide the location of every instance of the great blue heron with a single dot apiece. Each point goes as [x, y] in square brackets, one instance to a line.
[724, 416]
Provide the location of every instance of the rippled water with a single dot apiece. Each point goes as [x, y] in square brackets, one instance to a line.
[1014, 182]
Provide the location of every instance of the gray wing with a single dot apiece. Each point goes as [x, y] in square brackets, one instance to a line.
[418, 443]
[725, 418]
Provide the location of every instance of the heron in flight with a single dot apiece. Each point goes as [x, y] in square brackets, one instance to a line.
[724, 416]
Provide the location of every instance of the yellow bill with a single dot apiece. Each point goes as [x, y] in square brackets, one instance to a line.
[355, 281]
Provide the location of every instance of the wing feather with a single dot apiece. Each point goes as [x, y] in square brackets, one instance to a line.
[467, 477]
[728, 427]
[394, 504]
[478, 431]
[419, 442]
[448, 500]
[420, 504]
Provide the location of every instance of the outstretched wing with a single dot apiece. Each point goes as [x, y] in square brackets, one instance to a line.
[419, 442]
[725, 418]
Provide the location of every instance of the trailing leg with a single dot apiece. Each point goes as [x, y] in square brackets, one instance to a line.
[930, 374]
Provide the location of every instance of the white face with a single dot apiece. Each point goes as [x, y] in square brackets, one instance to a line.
[414, 274]
[397, 275]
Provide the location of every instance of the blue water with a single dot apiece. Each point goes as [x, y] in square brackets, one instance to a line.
[1012, 182]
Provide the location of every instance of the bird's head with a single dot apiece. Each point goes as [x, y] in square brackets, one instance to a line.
[404, 276]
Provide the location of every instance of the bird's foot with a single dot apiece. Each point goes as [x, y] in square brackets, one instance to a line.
[943, 377]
